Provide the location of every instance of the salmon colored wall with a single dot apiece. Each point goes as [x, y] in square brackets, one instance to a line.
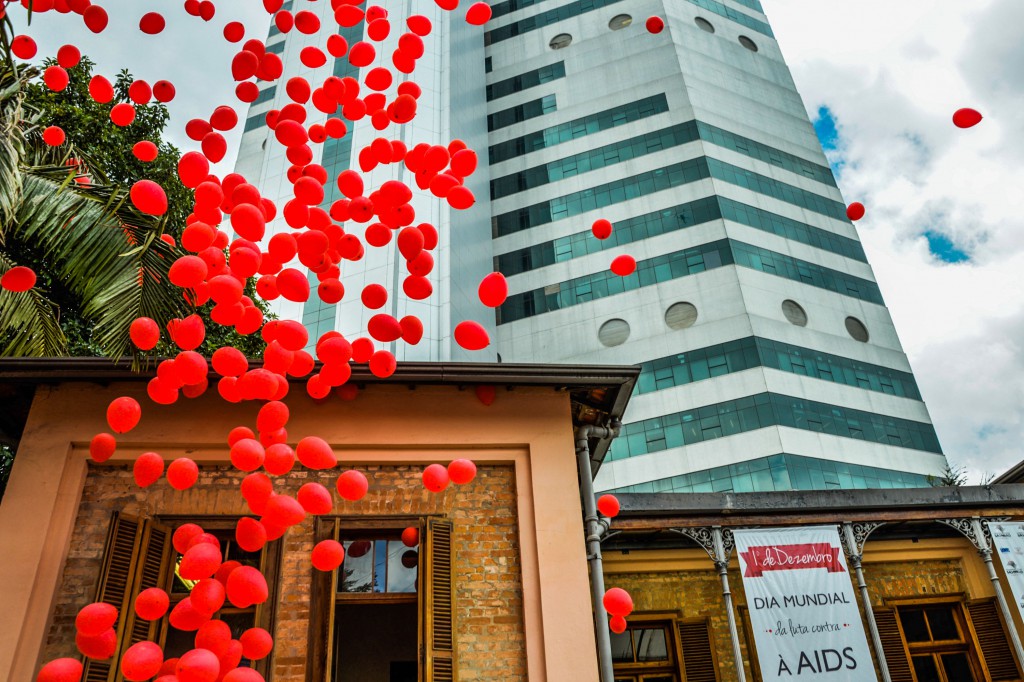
[529, 428]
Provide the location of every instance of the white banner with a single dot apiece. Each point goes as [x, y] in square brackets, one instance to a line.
[803, 611]
[1009, 541]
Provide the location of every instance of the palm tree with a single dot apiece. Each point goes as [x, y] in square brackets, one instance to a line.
[91, 250]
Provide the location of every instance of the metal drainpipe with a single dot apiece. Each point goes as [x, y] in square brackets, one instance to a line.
[595, 528]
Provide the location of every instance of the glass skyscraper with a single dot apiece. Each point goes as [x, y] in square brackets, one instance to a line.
[770, 361]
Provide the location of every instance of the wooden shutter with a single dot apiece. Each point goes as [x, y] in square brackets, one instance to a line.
[699, 664]
[114, 585]
[154, 560]
[997, 654]
[439, 611]
[320, 651]
[896, 658]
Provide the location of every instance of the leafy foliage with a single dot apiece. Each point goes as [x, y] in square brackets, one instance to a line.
[64, 213]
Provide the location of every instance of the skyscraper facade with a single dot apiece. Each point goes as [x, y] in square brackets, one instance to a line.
[770, 361]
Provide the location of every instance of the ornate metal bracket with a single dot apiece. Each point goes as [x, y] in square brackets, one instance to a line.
[860, 531]
[975, 529]
[705, 537]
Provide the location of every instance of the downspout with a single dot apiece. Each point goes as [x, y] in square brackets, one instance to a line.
[595, 527]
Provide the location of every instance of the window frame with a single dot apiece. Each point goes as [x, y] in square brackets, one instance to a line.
[637, 672]
[969, 643]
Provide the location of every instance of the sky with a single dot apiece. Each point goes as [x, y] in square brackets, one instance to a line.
[944, 230]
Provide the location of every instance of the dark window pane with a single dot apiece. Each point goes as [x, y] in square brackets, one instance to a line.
[622, 647]
[925, 668]
[914, 628]
[651, 645]
[957, 667]
[943, 623]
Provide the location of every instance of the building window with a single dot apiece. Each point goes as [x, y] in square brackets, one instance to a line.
[748, 43]
[139, 555]
[856, 329]
[613, 333]
[936, 638]
[794, 312]
[560, 41]
[659, 648]
[400, 596]
[704, 24]
[620, 21]
[681, 315]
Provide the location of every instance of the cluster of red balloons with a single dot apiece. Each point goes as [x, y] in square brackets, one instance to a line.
[618, 604]
[436, 477]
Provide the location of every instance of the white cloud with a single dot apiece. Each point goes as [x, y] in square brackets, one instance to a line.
[892, 74]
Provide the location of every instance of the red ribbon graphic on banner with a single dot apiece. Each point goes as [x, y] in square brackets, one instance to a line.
[791, 557]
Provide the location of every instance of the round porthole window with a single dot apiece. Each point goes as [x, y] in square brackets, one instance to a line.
[748, 43]
[794, 313]
[681, 315]
[620, 21]
[857, 329]
[560, 41]
[613, 332]
[704, 24]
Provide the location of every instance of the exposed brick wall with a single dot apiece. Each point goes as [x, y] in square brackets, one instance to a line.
[489, 610]
[914, 578]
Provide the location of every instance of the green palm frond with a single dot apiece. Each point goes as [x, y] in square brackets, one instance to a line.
[28, 322]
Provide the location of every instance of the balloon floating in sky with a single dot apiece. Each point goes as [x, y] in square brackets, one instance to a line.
[855, 211]
[623, 265]
[655, 24]
[966, 118]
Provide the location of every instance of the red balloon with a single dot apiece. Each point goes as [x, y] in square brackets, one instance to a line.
[257, 489]
[293, 285]
[188, 272]
[198, 665]
[435, 478]
[411, 536]
[655, 24]
[101, 90]
[617, 624]
[207, 596]
[966, 118]
[56, 78]
[140, 92]
[95, 18]
[352, 485]
[184, 535]
[601, 228]
[151, 604]
[412, 329]
[163, 91]
[101, 647]
[493, 290]
[471, 335]
[256, 643]
[282, 510]
[315, 499]
[418, 24]
[486, 393]
[362, 54]
[123, 414]
[61, 670]
[247, 455]
[855, 211]
[102, 447]
[145, 151]
[623, 265]
[199, 561]
[23, 47]
[152, 23]
[384, 328]
[18, 279]
[234, 31]
[328, 555]
[95, 619]
[478, 14]
[122, 114]
[383, 364]
[185, 617]
[608, 505]
[149, 197]
[54, 136]
[193, 169]
[142, 660]
[461, 471]
[617, 602]
[182, 473]
[68, 56]
[246, 586]
[316, 453]
[374, 296]
[148, 468]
